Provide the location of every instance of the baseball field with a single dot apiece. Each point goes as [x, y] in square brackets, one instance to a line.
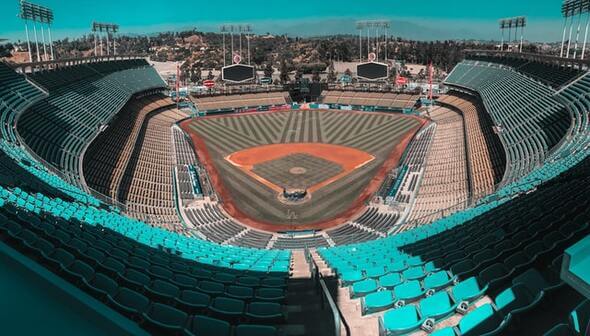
[339, 157]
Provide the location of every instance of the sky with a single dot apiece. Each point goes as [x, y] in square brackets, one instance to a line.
[423, 19]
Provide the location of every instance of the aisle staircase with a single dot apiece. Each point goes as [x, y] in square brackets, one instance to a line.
[306, 314]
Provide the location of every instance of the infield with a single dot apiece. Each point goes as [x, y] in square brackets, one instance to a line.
[339, 157]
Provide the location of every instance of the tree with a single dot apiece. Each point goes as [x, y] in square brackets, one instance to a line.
[298, 74]
[332, 75]
[196, 75]
[268, 70]
[316, 77]
[284, 74]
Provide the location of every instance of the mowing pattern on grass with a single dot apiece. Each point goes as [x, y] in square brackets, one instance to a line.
[378, 135]
[297, 171]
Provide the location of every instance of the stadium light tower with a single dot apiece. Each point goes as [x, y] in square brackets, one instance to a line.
[378, 26]
[242, 30]
[570, 9]
[509, 23]
[37, 15]
[108, 28]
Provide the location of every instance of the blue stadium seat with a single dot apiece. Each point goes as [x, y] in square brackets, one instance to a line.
[400, 321]
[437, 306]
[204, 325]
[376, 302]
[409, 291]
[161, 318]
[468, 290]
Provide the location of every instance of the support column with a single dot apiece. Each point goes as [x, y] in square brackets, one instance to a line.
[569, 41]
[585, 36]
[28, 42]
[114, 45]
[36, 42]
[386, 43]
[95, 45]
[578, 33]
[377, 42]
[44, 45]
[101, 48]
[521, 38]
[224, 52]
[50, 43]
[509, 38]
[368, 41]
[240, 41]
[231, 36]
[502, 42]
[563, 37]
[248, 40]
[107, 37]
[360, 45]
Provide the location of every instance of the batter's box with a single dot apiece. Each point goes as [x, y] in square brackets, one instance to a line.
[297, 171]
[299, 165]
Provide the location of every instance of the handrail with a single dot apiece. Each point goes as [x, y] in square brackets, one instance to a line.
[318, 278]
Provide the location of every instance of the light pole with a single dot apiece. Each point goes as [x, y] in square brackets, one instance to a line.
[30, 12]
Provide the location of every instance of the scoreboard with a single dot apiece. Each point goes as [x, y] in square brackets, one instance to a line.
[237, 73]
[372, 71]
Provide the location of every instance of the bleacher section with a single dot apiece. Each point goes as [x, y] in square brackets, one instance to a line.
[250, 100]
[444, 185]
[107, 157]
[81, 100]
[550, 74]
[415, 160]
[529, 119]
[191, 175]
[18, 95]
[147, 184]
[165, 281]
[162, 290]
[388, 100]
[486, 156]
[477, 274]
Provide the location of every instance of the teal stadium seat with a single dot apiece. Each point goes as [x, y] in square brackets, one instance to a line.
[363, 288]
[400, 321]
[130, 302]
[376, 302]
[409, 291]
[437, 306]
[483, 320]
[390, 280]
[468, 290]
[437, 280]
[160, 318]
[265, 313]
[515, 299]
[227, 309]
[204, 325]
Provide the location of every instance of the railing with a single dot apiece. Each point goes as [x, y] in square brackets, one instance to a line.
[33, 66]
[230, 90]
[322, 288]
[548, 59]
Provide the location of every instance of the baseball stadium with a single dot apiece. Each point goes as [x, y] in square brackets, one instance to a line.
[184, 184]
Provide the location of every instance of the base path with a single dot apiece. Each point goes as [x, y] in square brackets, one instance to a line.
[348, 158]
